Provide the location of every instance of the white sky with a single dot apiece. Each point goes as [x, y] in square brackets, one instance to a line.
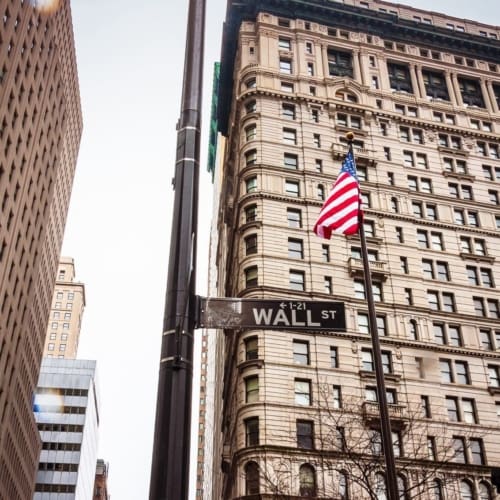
[130, 64]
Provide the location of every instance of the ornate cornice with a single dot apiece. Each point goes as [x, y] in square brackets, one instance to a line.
[342, 16]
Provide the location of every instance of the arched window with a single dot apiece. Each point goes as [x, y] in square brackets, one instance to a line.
[413, 329]
[402, 487]
[343, 486]
[394, 205]
[307, 480]
[437, 489]
[466, 491]
[380, 488]
[252, 479]
[484, 491]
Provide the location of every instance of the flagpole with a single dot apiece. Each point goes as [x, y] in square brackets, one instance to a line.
[385, 423]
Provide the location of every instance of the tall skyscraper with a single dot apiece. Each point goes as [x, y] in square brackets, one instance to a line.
[421, 93]
[66, 407]
[68, 302]
[40, 129]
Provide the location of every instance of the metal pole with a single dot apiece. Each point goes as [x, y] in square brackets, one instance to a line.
[385, 423]
[171, 446]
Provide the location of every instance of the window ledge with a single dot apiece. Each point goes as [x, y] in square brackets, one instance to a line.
[250, 363]
[477, 258]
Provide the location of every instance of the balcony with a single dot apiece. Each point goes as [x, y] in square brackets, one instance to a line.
[397, 413]
[363, 156]
[377, 268]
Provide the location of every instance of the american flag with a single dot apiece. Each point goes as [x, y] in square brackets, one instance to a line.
[341, 211]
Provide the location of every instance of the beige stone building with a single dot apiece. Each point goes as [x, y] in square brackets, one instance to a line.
[40, 129]
[68, 302]
[421, 92]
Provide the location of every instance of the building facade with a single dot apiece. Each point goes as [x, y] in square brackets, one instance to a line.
[66, 410]
[68, 302]
[421, 93]
[101, 481]
[40, 129]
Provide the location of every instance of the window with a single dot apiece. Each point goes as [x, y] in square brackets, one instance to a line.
[339, 63]
[302, 392]
[287, 87]
[367, 360]
[334, 359]
[343, 486]
[317, 140]
[309, 48]
[285, 66]
[486, 307]
[290, 161]
[369, 228]
[471, 92]
[399, 77]
[494, 375]
[252, 389]
[292, 188]
[295, 249]
[284, 44]
[251, 106]
[426, 406]
[305, 437]
[294, 217]
[251, 276]
[431, 448]
[481, 276]
[252, 431]
[315, 115]
[435, 270]
[413, 329]
[251, 184]
[359, 290]
[476, 451]
[472, 245]
[251, 348]
[250, 213]
[459, 448]
[319, 166]
[307, 481]
[452, 409]
[301, 352]
[289, 136]
[435, 85]
[251, 244]
[328, 284]
[297, 280]
[251, 83]
[441, 301]
[251, 132]
[337, 397]
[404, 265]
[252, 486]
[325, 253]
[320, 191]
[484, 491]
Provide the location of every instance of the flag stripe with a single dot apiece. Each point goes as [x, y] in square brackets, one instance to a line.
[341, 211]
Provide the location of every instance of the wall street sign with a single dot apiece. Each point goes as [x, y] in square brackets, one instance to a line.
[271, 314]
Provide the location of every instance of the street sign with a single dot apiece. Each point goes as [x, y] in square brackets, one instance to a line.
[271, 314]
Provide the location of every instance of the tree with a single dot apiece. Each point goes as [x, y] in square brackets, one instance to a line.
[348, 462]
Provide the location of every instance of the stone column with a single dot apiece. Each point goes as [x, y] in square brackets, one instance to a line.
[456, 89]
[486, 96]
[417, 81]
[356, 67]
[451, 90]
[491, 93]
